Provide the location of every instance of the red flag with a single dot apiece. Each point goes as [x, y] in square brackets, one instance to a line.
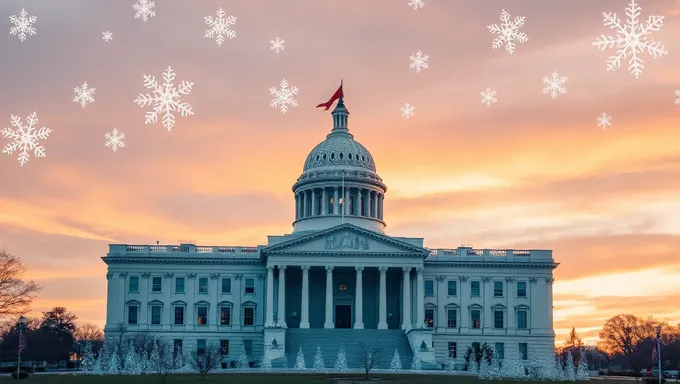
[22, 342]
[338, 94]
[655, 354]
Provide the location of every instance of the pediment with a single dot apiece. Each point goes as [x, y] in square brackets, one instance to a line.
[346, 238]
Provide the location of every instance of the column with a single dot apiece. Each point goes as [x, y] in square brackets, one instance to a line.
[442, 293]
[328, 323]
[305, 210]
[360, 200]
[214, 319]
[269, 323]
[297, 206]
[144, 296]
[406, 297]
[367, 205]
[487, 292]
[236, 291]
[420, 298]
[371, 204]
[282, 297]
[510, 303]
[549, 304]
[324, 201]
[382, 300]
[345, 202]
[532, 319]
[190, 311]
[381, 197]
[304, 307]
[464, 296]
[313, 207]
[335, 201]
[359, 317]
[111, 298]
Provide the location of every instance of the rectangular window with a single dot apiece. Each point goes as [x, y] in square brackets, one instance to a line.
[202, 318]
[521, 319]
[497, 289]
[179, 315]
[498, 319]
[452, 288]
[250, 286]
[452, 318]
[133, 286]
[429, 318]
[453, 349]
[200, 346]
[524, 351]
[248, 346]
[429, 288]
[500, 350]
[156, 284]
[202, 285]
[248, 316]
[521, 289]
[474, 289]
[476, 318]
[225, 315]
[179, 285]
[155, 314]
[177, 346]
[224, 347]
[226, 285]
[132, 314]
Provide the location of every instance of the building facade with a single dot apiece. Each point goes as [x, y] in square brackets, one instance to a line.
[338, 269]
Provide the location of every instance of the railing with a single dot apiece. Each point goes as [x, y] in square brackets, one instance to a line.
[123, 249]
[469, 253]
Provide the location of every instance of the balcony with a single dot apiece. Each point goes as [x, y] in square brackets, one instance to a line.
[183, 250]
[490, 255]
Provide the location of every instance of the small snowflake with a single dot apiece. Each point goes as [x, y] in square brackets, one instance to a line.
[408, 110]
[107, 36]
[276, 45]
[283, 97]
[419, 61]
[554, 85]
[165, 99]
[631, 39]
[219, 26]
[114, 140]
[677, 94]
[488, 96]
[25, 138]
[83, 95]
[508, 32]
[145, 9]
[416, 4]
[604, 121]
[22, 25]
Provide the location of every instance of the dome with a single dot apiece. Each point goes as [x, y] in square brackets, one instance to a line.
[339, 148]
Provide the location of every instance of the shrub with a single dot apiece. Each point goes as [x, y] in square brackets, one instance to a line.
[22, 375]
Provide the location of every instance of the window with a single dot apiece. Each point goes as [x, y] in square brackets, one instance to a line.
[179, 285]
[226, 285]
[177, 346]
[497, 289]
[132, 314]
[225, 315]
[429, 318]
[452, 288]
[202, 285]
[452, 349]
[248, 316]
[202, 318]
[522, 319]
[474, 289]
[248, 346]
[452, 318]
[521, 289]
[250, 286]
[429, 288]
[133, 286]
[224, 347]
[524, 351]
[156, 284]
[500, 350]
[200, 346]
[179, 315]
[476, 318]
[498, 319]
[155, 314]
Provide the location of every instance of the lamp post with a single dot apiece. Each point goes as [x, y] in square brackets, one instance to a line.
[21, 323]
[658, 350]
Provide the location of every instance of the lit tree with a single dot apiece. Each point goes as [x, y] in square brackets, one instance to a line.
[300, 361]
[416, 366]
[569, 368]
[485, 366]
[395, 364]
[242, 364]
[582, 373]
[87, 362]
[132, 364]
[450, 364]
[318, 361]
[341, 361]
[114, 363]
[265, 361]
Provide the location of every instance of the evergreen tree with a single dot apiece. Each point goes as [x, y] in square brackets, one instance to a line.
[242, 364]
[97, 366]
[473, 367]
[300, 361]
[154, 358]
[395, 364]
[265, 361]
[114, 363]
[582, 373]
[341, 361]
[569, 368]
[450, 364]
[416, 366]
[318, 361]
[557, 373]
[495, 366]
[87, 361]
[284, 361]
[132, 364]
[485, 367]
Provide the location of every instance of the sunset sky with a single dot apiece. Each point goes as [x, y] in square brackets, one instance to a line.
[526, 172]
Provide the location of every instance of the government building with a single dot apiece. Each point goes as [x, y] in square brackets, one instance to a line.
[337, 280]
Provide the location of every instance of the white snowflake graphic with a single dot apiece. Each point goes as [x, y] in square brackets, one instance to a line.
[219, 26]
[145, 9]
[84, 95]
[276, 45]
[114, 140]
[25, 138]
[283, 97]
[488, 96]
[508, 32]
[23, 25]
[604, 121]
[677, 94]
[416, 4]
[408, 110]
[165, 99]
[419, 61]
[631, 39]
[107, 36]
[554, 85]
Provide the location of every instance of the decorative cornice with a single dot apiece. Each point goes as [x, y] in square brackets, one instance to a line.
[533, 279]
[145, 260]
[281, 267]
[406, 270]
[490, 264]
[509, 279]
[270, 267]
[486, 279]
[329, 269]
[214, 276]
[109, 275]
[549, 280]
[359, 268]
[122, 274]
[191, 275]
[305, 268]
[463, 278]
[169, 275]
[345, 253]
[382, 270]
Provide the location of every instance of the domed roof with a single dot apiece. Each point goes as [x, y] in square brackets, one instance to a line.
[339, 149]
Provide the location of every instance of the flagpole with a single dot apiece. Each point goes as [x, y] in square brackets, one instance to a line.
[342, 220]
[658, 350]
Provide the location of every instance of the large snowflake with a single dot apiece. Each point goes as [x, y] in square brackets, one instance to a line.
[488, 96]
[408, 110]
[508, 32]
[25, 138]
[631, 39]
[107, 36]
[554, 85]
[604, 121]
[145, 9]
[677, 94]
[84, 95]
[283, 97]
[219, 26]
[419, 61]
[276, 45]
[165, 99]
[416, 4]
[114, 140]
[23, 25]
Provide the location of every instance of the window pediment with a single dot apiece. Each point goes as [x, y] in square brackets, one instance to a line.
[498, 307]
[475, 306]
[430, 305]
[155, 302]
[521, 306]
[202, 303]
[179, 302]
[225, 303]
[249, 304]
[452, 306]
[132, 302]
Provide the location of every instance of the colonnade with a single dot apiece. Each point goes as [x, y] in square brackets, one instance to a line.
[325, 201]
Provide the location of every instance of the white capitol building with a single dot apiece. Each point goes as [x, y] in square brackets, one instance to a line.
[337, 279]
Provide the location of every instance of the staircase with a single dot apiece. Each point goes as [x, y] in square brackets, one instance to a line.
[330, 340]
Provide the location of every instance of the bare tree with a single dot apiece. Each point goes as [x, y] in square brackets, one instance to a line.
[625, 335]
[16, 294]
[89, 332]
[370, 356]
[118, 340]
[162, 359]
[205, 361]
